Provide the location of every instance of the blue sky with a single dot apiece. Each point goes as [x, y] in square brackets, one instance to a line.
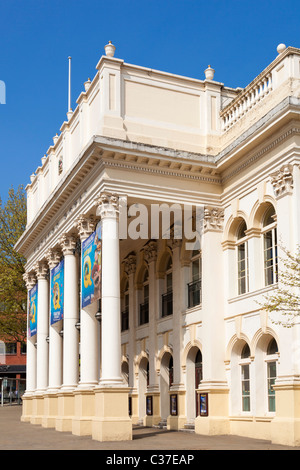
[237, 38]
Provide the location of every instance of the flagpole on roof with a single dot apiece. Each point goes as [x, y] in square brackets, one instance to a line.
[69, 89]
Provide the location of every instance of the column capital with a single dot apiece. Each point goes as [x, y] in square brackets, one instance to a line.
[68, 244]
[30, 279]
[150, 251]
[213, 219]
[282, 181]
[41, 269]
[107, 205]
[53, 256]
[85, 225]
[130, 263]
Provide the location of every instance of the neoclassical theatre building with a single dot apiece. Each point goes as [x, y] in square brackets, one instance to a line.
[155, 228]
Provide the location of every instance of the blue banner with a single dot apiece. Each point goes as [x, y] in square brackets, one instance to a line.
[57, 293]
[91, 252]
[32, 311]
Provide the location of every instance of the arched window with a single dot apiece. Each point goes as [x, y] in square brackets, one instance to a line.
[245, 377]
[144, 306]
[270, 246]
[194, 286]
[167, 297]
[242, 259]
[271, 360]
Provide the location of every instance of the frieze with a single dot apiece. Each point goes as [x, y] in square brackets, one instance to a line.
[282, 181]
[213, 219]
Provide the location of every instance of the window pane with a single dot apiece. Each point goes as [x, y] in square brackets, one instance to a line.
[195, 270]
[146, 292]
[169, 282]
[271, 382]
[245, 372]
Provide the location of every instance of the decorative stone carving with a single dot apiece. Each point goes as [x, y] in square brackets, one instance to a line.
[53, 257]
[150, 251]
[107, 205]
[42, 270]
[213, 219]
[282, 181]
[68, 244]
[130, 264]
[30, 280]
[85, 226]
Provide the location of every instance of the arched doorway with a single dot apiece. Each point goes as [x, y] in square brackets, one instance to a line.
[166, 381]
[193, 378]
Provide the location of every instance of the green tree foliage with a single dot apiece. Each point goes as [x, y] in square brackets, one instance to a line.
[284, 301]
[13, 292]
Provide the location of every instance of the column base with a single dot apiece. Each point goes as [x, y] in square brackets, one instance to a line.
[84, 412]
[134, 407]
[154, 418]
[26, 408]
[37, 409]
[285, 426]
[50, 410]
[65, 411]
[217, 420]
[111, 421]
[176, 422]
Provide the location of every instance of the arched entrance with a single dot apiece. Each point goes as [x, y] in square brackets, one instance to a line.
[193, 378]
[166, 381]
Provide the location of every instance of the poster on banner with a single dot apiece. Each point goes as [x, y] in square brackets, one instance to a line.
[57, 293]
[32, 311]
[91, 252]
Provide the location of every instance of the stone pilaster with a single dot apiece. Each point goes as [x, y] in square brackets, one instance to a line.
[150, 256]
[214, 378]
[130, 269]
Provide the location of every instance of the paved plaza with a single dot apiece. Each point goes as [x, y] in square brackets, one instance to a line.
[16, 435]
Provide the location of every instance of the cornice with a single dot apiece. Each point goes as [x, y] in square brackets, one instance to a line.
[256, 156]
[138, 157]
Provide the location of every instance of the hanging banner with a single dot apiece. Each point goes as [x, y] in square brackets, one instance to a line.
[32, 311]
[91, 252]
[57, 293]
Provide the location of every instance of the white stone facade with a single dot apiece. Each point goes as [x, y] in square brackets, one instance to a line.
[176, 324]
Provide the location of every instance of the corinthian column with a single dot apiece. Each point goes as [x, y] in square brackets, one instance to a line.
[55, 355]
[89, 352]
[41, 341]
[89, 362]
[55, 339]
[30, 281]
[42, 326]
[70, 336]
[111, 328]
[112, 421]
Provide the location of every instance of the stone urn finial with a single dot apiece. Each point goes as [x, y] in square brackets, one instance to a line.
[109, 49]
[209, 73]
[281, 48]
[87, 84]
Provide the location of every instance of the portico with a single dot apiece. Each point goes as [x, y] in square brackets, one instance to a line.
[179, 189]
